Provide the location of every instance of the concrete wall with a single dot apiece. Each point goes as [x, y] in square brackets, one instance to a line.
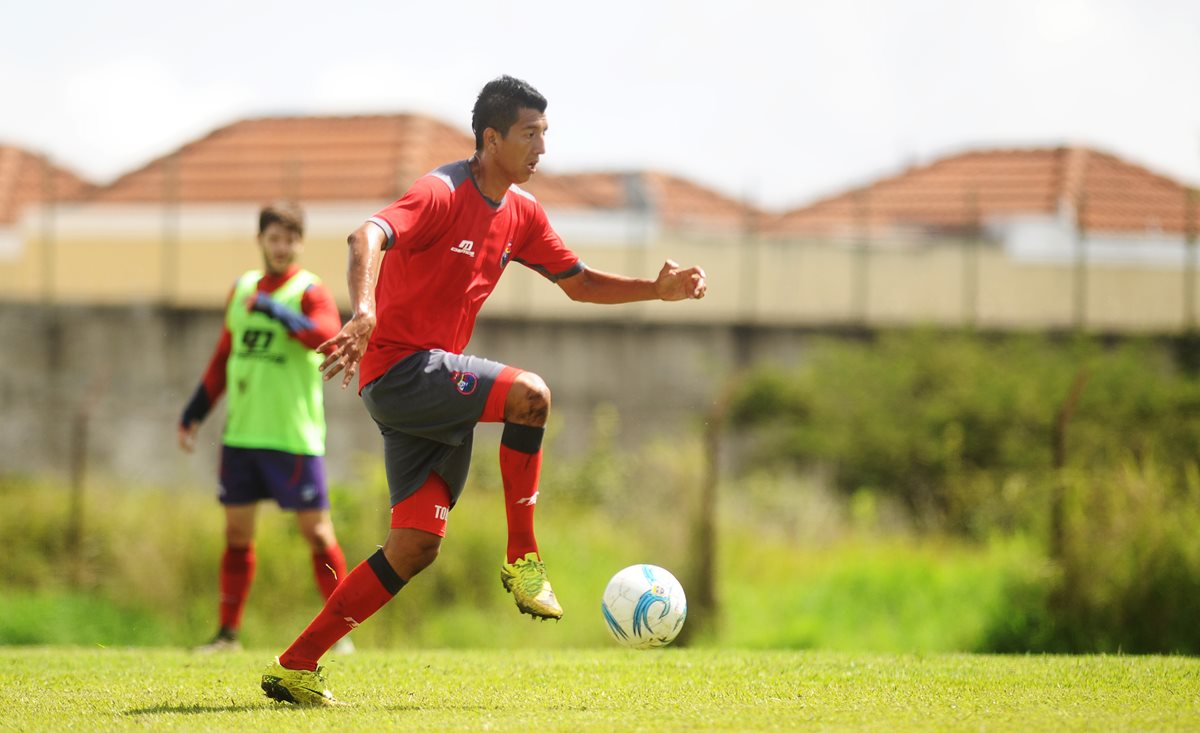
[118, 376]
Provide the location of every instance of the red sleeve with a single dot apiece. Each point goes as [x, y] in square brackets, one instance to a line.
[318, 306]
[214, 376]
[544, 251]
[411, 220]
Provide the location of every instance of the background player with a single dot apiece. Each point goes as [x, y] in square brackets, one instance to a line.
[447, 241]
[274, 438]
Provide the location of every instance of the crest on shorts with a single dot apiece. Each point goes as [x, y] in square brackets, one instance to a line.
[465, 382]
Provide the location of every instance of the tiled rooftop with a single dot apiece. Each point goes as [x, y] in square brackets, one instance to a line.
[26, 178]
[376, 158]
[681, 204]
[303, 158]
[955, 193]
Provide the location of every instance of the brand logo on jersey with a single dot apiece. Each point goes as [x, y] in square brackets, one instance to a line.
[507, 254]
[465, 247]
[441, 512]
[465, 382]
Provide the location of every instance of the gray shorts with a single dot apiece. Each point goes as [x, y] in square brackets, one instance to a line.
[427, 406]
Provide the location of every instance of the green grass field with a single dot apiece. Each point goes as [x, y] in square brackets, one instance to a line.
[61, 688]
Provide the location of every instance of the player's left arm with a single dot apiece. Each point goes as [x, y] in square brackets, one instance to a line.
[321, 313]
[544, 251]
[315, 322]
[673, 283]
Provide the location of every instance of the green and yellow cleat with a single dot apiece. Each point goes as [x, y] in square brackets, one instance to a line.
[297, 686]
[526, 579]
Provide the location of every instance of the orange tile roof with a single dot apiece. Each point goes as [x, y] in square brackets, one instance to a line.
[377, 157]
[26, 179]
[955, 193]
[679, 203]
[307, 159]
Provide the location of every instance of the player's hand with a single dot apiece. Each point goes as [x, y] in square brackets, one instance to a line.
[187, 437]
[680, 283]
[344, 351]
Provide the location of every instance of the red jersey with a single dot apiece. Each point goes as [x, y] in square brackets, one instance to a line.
[447, 245]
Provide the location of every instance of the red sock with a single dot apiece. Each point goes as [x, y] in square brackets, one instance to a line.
[329, 567]
[520, 467]
[360, 594]
[237, 573]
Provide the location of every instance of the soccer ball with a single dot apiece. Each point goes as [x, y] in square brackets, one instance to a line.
[644, 607]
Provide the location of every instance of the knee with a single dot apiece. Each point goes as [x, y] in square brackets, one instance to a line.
[420, 557]
[321, 539]
[411, 551]
[528, 401]
[319, 534]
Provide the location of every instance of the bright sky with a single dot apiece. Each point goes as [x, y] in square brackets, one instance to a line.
[776, 101]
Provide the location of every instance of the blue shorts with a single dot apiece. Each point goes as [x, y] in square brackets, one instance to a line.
[295, 482]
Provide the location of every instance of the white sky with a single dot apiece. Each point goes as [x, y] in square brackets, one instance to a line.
[776, 101]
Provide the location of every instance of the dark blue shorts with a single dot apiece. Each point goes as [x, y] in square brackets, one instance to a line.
[249, 475]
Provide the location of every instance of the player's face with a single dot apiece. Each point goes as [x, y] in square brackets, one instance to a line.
[518, 152]
[280, 248]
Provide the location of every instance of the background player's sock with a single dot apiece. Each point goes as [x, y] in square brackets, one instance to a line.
[520, 467]
[237, 573]
[329, 568]
[363, 592]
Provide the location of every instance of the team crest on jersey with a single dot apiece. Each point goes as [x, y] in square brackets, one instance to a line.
[465, 382]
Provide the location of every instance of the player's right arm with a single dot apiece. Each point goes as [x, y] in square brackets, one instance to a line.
[210, 389]
[344, 351]
[406, 220]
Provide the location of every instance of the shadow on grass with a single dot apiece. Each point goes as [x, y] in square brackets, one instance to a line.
[198, 709]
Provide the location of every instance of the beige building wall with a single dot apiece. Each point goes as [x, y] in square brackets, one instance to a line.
[191, 256]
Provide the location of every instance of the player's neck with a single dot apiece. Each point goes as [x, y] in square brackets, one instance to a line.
[278, 277]
[492, 182]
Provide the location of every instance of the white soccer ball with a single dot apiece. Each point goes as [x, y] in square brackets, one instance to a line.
[644, 607]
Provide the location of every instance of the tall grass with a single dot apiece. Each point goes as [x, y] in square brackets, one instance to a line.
[149, 570]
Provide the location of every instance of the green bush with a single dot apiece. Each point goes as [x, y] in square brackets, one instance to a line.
[967, 434]
[961, 429]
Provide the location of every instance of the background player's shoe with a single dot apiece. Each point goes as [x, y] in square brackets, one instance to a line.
[297, 686]
[343, 646]
[224, 641]
[526, 579]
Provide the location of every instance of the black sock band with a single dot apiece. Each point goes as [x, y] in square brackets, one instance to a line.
[391, 582]
[523, 438]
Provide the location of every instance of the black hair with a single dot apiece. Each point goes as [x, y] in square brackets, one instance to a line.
[499, 103]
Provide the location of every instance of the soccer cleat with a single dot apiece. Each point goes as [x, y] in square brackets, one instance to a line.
[526, 580]
[297, 686]
[222, 642]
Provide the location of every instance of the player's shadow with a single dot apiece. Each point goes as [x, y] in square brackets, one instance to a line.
[191, 709]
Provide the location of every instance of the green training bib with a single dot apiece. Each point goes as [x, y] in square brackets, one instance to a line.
[274, 388]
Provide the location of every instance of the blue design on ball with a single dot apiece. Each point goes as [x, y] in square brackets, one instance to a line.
[642, 611]
[613, 624]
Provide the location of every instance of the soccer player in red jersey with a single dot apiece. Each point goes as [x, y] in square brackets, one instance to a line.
[273, 441]
[448, 239]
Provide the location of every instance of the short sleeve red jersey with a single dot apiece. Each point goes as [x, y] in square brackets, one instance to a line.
[447, 245]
